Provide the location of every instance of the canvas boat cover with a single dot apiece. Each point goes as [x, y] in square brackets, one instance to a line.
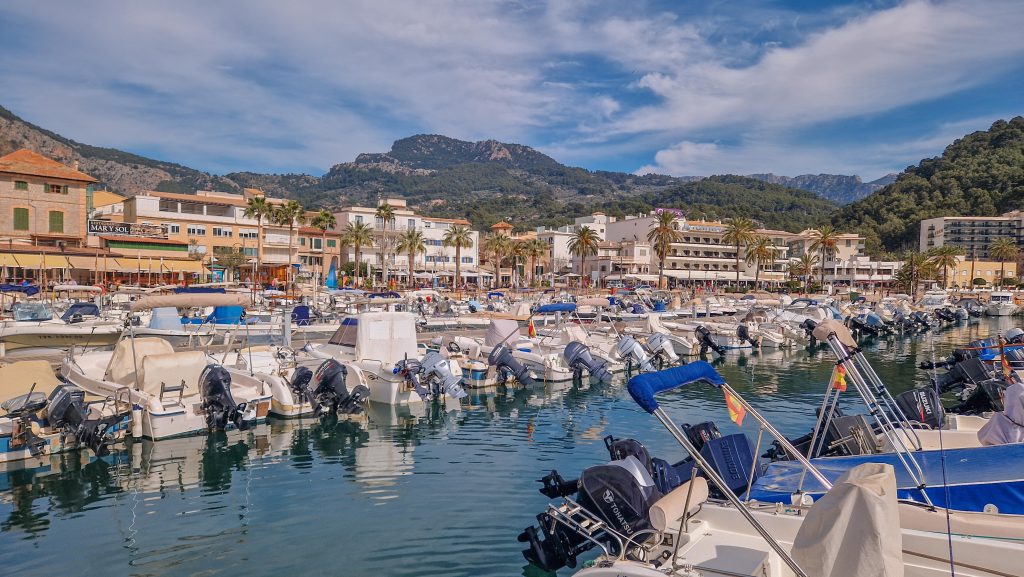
[386, 336]
[976, 477]
[1007, 426]
[17, 378]
[855, 528]
[500, 330]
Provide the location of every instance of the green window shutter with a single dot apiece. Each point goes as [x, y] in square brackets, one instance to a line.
[65, 189]
[21, 219]
[46, 188]
[56, 221]
[331, 243]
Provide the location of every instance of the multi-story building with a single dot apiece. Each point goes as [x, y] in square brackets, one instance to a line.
[973, 234]
[847, 264]
[42, 202]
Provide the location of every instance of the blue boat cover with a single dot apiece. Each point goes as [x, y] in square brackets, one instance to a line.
[976, 477]
[198, 289]
[643, 387]
[84, 309]
[226, 315]
[385, 295]
[300, 315]
[28, 289]
[493, 294]
[556, 308]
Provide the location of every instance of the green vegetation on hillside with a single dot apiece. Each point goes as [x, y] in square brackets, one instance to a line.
[981, 174]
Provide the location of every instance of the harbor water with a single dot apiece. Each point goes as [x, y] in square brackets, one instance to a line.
[427, 490]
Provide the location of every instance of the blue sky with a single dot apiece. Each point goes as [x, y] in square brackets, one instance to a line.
[676, 87]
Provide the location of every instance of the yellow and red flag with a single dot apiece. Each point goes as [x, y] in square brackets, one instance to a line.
[736, 410]
[839, 382]
[531, 330]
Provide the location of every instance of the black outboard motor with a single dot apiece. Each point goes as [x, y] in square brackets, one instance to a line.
[945, 314]
[743, 334]
[502, 360]
[220, 406]
[922, 405]
[67, 410]
[620, 494]
[707, 341]
[577, 356]
[327, 391]
[808, 326]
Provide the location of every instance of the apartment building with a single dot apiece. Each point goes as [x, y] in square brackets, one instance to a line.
[847, 265]
[42, 202]
[973, 234]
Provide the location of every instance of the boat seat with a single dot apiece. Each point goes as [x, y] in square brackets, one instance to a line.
[127, 357]
[176, 373]
[667, 511]
[17, 378]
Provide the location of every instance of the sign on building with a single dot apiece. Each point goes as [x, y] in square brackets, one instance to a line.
[126, 229]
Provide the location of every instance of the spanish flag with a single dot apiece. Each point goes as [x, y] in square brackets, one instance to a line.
[839, 382]
[531, 330]
[736, 410]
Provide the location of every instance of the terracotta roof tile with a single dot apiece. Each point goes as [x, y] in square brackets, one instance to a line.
[25, 161]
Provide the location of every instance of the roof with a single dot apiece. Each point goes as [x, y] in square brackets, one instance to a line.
[317, 231]
[25, 161]
[202, 199]
[105, 198]
[500, 224]
[144, 239]
[448, 220]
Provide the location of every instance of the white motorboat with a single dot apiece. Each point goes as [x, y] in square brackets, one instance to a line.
[1001, 304]
[380, 352]
[35, 326]
[177, 393]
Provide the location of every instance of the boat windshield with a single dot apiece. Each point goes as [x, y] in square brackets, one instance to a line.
[32, 312]
[346, 334]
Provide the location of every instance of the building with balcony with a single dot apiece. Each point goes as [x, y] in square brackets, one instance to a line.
[42, 202]
[973, 234]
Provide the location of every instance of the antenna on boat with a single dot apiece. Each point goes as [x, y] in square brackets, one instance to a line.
[942, 456]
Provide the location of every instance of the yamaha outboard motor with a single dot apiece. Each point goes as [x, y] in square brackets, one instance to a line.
[67, 411]
[431, 377]
[619, 494]
[661, 346]
[577, 356]
[743, 334]
[502, 360]
[327, 390]
[707, 341]
[634, 354]
[220, 406]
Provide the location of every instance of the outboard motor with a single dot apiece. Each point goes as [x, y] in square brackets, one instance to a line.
[922, 405]
[502, 360]
[577, 356]
[220, 406]
[432, 376]
[327, 391]
[743, 334]
[634, 354]
[808, 326]
[20, 410]
[945, 314]
[661, 346]
[67, 410]
[707, 341]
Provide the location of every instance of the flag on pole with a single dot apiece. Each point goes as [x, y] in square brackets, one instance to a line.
[736, 410]
[839, 379]
[531, 330]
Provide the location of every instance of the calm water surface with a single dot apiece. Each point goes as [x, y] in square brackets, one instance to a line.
[427, 491]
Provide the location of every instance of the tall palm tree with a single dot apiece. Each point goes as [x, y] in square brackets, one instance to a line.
[804, 266]
[257, 207]
[584, 242]
[358, 235]
[385, 213]
[825, 240]
[497, 247]
[916, 267]
[944, 258]
[533, 249]
[460, 237]
[739, 232]
[411, 242]
[759, 253]
[289, 214]
[1003, 249]
[661, 236]
[324, 220]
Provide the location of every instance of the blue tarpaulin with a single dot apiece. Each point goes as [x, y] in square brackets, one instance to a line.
[84, 309]
[198, 289]
[556, 308]
[27, 289]
[332, 277]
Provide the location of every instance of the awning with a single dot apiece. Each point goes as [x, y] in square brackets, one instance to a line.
[8, 260]
[184, 266]
[37, 261]
[119, 265]
[643, 277]
[85, 262]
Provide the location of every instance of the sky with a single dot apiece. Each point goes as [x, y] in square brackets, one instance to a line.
[674, 87]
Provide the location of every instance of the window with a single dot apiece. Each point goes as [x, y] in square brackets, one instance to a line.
[56, 221]
[20, 185]
[57, 189]
[316, 243]
[196, 230]
[222, 232]
[21, 219]
[412, 223]
[467, 260]
[428, 258]
[302, 241]
[172, 228]
[359, 219]
[331, 243]
[247, 233]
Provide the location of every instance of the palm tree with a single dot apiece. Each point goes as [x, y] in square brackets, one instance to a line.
[386, 215]
[412, 243]
[358, 235]
[289, 214]
[324, 220]
[533, 249]
[661, 236]
[739, 232]
[496, 247]
[459, 237]
[582, 243]
[257, 207]
[804, 266]
[1003, 249]
[759, 253]
[826, 237]
[916, 267]
[944, 258]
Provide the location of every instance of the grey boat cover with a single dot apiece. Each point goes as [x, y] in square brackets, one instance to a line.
[1008, 426]
[501, 330]
[854, 529]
